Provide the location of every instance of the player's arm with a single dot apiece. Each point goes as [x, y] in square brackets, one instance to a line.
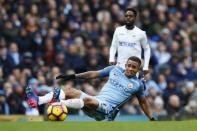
[146, 108]
[87, 75]
[144, 103]
[113, 49]
[147, 52]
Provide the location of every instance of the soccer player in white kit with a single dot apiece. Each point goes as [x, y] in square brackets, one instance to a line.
[128, 40]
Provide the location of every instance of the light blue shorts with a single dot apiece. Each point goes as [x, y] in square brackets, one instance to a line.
[101, 112]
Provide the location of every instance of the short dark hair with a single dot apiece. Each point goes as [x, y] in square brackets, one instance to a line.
[133, 10]
[136, 59]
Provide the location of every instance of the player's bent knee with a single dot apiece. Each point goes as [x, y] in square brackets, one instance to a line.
[71, 92]
[90, 103]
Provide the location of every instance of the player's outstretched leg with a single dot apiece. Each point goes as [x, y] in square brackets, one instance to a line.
[32, 99]
[54, 96]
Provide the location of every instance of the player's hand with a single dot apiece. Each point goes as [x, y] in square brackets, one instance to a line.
[145, 73]
[66, 77]
[112, 63]
[152, 119]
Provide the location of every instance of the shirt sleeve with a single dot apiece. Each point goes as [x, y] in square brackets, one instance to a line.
[141, 93]
[113, 48]
[145, 45]
[105, 72]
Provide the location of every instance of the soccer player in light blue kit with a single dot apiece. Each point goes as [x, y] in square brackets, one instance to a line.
[121, 86]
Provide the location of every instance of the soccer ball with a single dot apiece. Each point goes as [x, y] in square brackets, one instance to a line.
[57, 112]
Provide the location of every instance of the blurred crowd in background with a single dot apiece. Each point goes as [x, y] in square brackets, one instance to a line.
[40, 39]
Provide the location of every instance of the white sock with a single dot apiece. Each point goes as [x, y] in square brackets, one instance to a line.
[47, 98]
[62, 95]
[73, 103]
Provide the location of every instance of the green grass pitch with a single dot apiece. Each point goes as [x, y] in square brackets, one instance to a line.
[100, 126]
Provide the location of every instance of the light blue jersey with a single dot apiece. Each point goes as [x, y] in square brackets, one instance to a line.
[118, 89]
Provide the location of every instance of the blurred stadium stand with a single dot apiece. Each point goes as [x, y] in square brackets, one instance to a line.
[42, 38]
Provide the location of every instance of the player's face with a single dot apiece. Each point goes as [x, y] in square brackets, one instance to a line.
[129, 18]
[131, 68]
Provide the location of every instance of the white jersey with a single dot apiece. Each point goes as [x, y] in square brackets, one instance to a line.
[129, 43]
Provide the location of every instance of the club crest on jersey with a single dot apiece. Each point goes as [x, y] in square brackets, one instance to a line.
[130, 85]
